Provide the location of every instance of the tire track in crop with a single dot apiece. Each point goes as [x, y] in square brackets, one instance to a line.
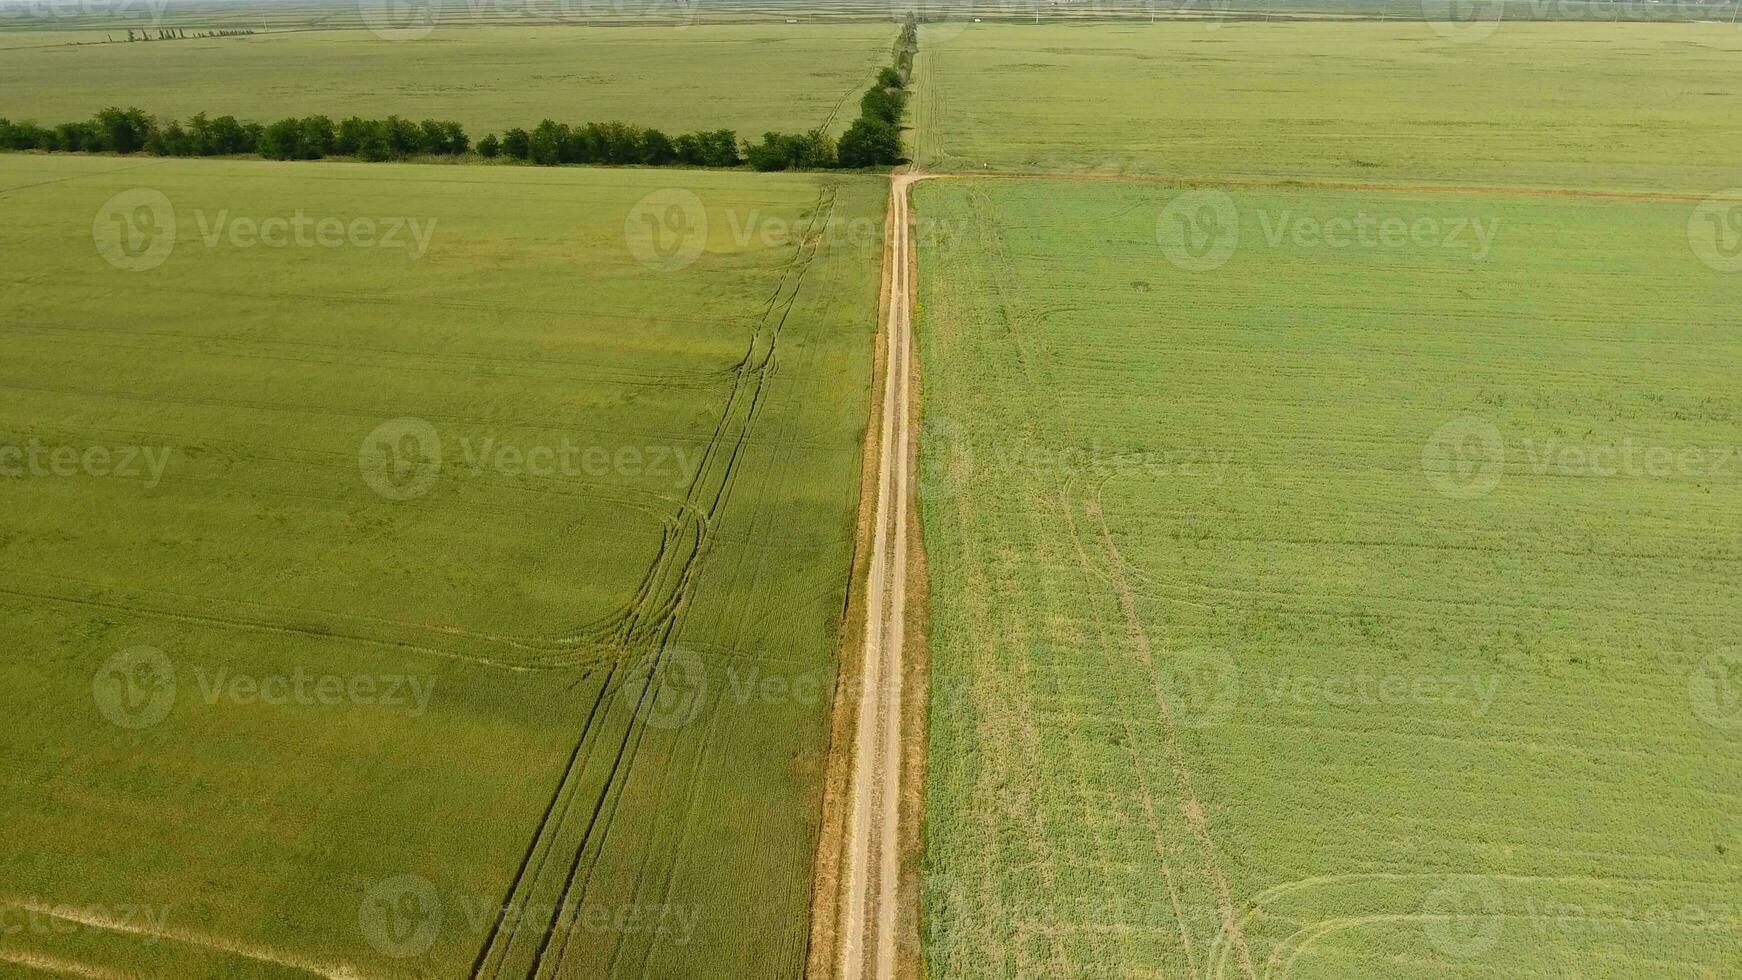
[1146, 798]
[760, 363]
[1194, 810]
[1033, 363]
[652, 620]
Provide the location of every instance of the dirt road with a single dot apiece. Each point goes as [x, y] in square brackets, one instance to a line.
[869, 911]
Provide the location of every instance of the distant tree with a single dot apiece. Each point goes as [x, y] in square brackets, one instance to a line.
[77, 137]
[229, 136]
[792, 151]
[279, 140]
[316, 138]
[490, 147]
[870, 143]
[656, 148]
[169, 140]
[890, 78]
[350, 136]
[547, 143]
[516, 143]
[881, 103]
[122, 130]
[719, 148]
[455, 138]
[404, 137]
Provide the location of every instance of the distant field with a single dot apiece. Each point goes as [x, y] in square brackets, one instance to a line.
[487, 79]
[1632, 105]
[611, 456]
[1357, 611]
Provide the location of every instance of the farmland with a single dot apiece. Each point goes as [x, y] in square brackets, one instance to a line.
[514, 76]
[1290, 616]
[1566, 105]
[401, 478]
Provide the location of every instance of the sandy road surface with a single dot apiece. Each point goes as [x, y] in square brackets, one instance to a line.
[869, 910]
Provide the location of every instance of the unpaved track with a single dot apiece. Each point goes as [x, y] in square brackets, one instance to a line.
[869, 912]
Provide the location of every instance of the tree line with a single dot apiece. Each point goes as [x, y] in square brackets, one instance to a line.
[127, 131]
[873, 140]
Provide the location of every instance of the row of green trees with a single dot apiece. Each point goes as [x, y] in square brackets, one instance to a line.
[553, 143]
[874, 139]
[117, 130]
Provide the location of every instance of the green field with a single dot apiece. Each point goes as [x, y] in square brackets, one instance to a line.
[1254, 655]
[1645, 106]
[488, 79]
[611, 453]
